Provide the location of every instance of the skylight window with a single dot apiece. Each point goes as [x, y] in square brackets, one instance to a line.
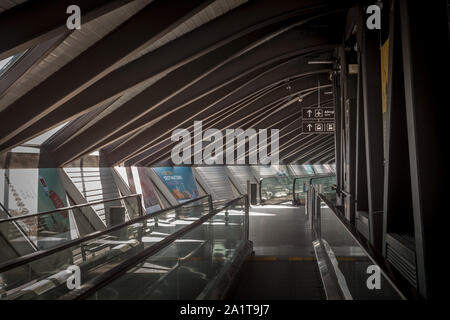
[7, 63]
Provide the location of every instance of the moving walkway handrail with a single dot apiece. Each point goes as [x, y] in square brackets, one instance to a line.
[87, 204]
[365, 245]
[14, 263]
[107, 277]
[320, 177]
[278, 177]
[313, 177]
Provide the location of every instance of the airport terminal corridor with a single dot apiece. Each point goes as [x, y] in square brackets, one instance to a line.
[284, 264]
[226, 150]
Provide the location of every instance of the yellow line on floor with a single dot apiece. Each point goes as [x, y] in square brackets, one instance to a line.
[264, 258]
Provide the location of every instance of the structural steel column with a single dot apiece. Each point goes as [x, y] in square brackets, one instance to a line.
[425, 46]
[373, 131]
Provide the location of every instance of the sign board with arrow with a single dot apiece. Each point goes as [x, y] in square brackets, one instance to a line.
[318, 127]
[318, 113]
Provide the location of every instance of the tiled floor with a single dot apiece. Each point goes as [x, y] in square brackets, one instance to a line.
[284, 265]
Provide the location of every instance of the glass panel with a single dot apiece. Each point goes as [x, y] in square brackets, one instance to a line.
[352, 260]
[46, 277]
[276, 190]
[324, 185]
[184, 269]
[51, 229]
[301, 188]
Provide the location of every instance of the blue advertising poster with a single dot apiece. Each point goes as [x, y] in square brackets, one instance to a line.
[180, 181]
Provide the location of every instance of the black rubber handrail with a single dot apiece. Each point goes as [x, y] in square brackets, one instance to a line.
[402, 287]
[118, 269]
[321, 176]
[87, 204]
[17, 262]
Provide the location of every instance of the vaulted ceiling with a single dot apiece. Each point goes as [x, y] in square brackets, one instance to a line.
[137, 70]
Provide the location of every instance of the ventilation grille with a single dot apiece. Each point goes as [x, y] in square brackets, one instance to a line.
[400, 253]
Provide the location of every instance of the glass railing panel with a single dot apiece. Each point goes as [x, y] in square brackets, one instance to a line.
[325, 185]
[300, 190]
[302, 184]
[275, 190]
[187, 266]
[49, 229]
[133, 207]
[353, 261]
[45, 277]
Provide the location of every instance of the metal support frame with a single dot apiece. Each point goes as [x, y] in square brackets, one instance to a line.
[424, 94]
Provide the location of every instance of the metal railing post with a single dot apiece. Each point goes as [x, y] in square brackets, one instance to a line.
[261, 202]
[294, 201]
[210, 202]
[141, 212]
[247, 218]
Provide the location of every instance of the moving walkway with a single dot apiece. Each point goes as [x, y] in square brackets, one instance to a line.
[176, 253]
[192, 250]
[340, 267]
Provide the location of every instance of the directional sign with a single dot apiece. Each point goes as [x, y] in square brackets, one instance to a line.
[329, 126]
[318, 127]
[318, 113]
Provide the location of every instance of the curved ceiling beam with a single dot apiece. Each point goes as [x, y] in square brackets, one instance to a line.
[273, 99]
[151, 103]
[114, 144]
[164, 140]
[290, 139]
[262, 117]
[290, 130]
[163, 156]
[317, 158]
[298, 148]
[146, 137]
[203, 105]
[290, 127]
[175, 54]
[210, 105]
[147, 26]
[150, 99]
[289, 134]
[328, 159]
[189, 47]
[302, 157]
[217, 123]
[33, 22]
